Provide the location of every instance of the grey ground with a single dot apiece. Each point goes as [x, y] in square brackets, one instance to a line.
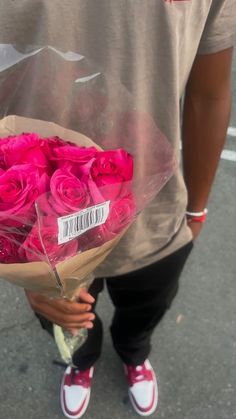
[194, 348]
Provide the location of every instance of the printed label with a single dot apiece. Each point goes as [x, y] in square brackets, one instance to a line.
[72, 226]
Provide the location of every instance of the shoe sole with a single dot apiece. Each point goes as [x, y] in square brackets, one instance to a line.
[155, 402]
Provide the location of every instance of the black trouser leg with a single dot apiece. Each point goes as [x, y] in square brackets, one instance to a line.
[141, 298]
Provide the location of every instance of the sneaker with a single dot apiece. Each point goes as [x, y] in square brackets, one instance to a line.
[143, 392]
[75, 391]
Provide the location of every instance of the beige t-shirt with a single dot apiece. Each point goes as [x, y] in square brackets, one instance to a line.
[150, 46]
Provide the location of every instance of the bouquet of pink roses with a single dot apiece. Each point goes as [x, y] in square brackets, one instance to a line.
[59, 199]
[52, 193]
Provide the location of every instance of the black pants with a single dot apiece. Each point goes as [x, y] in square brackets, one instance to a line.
[141, 298]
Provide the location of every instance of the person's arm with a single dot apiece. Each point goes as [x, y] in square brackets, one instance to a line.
[205, 120]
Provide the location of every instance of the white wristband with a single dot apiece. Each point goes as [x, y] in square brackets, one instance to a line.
[197, 214]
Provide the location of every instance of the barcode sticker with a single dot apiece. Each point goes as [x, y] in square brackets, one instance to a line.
[72, 226]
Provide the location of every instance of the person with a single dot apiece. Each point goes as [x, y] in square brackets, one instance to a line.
[165, 53]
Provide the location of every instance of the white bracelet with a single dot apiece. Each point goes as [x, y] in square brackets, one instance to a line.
[197, 214]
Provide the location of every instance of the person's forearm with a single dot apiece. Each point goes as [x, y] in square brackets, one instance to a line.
[205, 122]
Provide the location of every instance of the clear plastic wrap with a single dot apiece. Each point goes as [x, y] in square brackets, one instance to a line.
[77, 202]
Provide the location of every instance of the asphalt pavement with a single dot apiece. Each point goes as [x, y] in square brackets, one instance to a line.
[194, 347]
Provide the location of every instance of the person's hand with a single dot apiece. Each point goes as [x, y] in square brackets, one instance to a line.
[196, 228]
[67, 314]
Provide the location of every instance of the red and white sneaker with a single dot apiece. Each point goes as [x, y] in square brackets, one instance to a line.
[143, 392]
[75, 391]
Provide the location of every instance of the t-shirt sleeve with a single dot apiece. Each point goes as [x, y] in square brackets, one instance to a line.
[220, 29]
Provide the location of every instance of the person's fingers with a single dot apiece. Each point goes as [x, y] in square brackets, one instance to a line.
[65, 313]
[82, 318]
[85, 297]
[62, 305]
[38, 300]
[69, 307]
[60, 318]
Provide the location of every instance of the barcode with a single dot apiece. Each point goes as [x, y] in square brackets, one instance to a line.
[72, 226]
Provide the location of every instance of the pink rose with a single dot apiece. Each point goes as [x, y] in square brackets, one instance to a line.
[73, 157]
[9, 246]
[49, 144]
[33, 248]
[25, 149]
[67, 194]
[110, 175]
[19, 188]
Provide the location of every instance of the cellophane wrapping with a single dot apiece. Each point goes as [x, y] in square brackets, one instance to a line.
[78, 163]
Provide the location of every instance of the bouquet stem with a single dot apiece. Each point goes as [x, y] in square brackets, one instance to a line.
[68, 344]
